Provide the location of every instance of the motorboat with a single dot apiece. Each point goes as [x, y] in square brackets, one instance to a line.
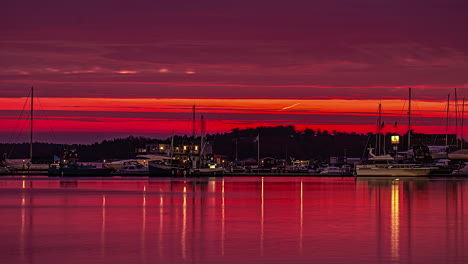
[211, 170]
[69, 166]
[332, 170]
[133, 169]
[164, 168]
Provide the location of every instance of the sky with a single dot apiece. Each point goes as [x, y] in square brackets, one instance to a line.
[105, 69]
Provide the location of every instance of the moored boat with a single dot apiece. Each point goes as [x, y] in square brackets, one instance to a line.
[69, 166]
[133, 170]
[385, 165]
[159, 168]
[331, 170]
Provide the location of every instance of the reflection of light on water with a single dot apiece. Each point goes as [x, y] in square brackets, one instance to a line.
[23, 184]
[301, 231]
[184, 225]
[262, 219]
[212, 186]
[143, 225]
[222, 219]
[395, 221]
[103, 226]
[161, 215]
[23, 226]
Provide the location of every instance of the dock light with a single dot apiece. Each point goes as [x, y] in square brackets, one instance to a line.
[196, 147]
[395, 139]
[185, 147]
[161, 148]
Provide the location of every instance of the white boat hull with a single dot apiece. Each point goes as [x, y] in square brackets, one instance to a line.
[373, 170]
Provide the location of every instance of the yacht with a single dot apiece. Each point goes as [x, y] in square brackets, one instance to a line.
[385, 165]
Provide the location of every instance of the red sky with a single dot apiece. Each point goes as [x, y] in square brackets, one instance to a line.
[115, 68]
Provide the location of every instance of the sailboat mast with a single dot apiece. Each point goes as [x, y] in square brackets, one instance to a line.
[447, 123]
[456, 117]
[202, 131]
[462, 117]
[193, 122]
[31, 120]
[172, 146]
[377, 139]
[409, 118]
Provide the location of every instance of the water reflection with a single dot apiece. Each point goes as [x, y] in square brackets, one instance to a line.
[274, 220]
[103, 226]
[395, 222]
[301, 219]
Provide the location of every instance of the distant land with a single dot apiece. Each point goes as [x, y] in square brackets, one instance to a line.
[281, 142]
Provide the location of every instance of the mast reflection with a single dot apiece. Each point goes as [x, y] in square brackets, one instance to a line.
[223, 219]
[262, 217]
[301, 222]
[23, 224]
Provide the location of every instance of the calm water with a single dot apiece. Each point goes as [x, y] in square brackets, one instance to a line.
[233, 220]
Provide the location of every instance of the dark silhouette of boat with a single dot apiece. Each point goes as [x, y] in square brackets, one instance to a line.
[69, 166]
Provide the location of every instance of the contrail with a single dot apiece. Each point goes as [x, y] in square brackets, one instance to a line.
[291, 106]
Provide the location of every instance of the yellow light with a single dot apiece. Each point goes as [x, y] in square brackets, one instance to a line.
[395, 139]
[161, 148]
[185, 147]
[196, 147]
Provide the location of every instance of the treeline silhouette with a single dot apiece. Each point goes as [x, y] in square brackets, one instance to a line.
[281, 142]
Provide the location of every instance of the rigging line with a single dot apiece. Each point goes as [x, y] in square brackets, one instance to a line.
[439, 136]
[19, 118]
[19, 134]
[12, 135]
[403, 112]
[365, 148]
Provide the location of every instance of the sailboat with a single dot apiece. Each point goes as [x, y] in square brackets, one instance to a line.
[195, 165]
[385, 165]
[205, 168]
[26, 164]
